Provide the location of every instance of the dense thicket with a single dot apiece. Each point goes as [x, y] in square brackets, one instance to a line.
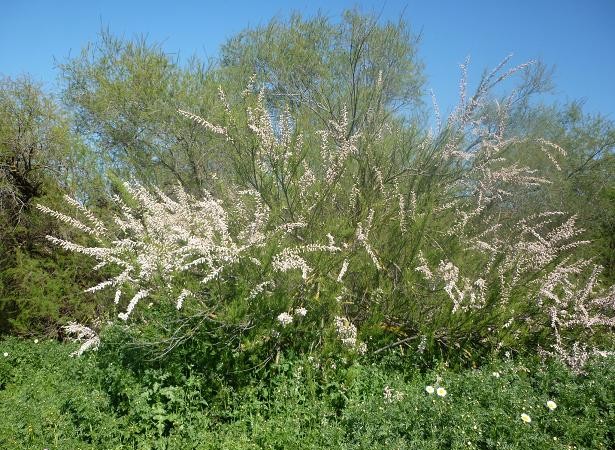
[277, 246]
[41, 159]
[305, 148]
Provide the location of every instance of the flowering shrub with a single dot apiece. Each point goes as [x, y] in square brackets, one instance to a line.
[409, 235]
[186, 251]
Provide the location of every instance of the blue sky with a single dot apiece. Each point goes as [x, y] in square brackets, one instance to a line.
[577, 37]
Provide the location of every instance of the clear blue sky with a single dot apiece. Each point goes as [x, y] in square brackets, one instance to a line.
[577, 37]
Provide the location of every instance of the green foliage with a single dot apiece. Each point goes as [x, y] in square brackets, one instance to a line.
[39, 293]
[39, 152]
[420, 231]
[318, 66]
[333, 196]
[280, 106]
[583, 184]
[125, 96]
[434, 244]
[48, 400]
[34, 142]
[40, 158]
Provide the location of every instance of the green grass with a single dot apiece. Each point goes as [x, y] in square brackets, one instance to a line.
[50, 400]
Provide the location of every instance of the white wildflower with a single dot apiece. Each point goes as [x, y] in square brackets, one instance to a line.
[362, 348]
[551, 405]
[388, 393]
[422, 345]
[362, 236]
[289, 259]
[205, 124]
[346, 331]
[259, 288]
[285, 319]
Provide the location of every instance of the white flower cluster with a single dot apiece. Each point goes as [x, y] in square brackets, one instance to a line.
[362, 236]
[70, 220]
[473, 294]
[347, 332]
[259, 288]
[163, 237]
[440, 392]
[391, 395]
[291, 259]
[204, 123]
[342, 271]
[86, 336]
[131, 305]
[424, 267]
[182, 296]
[344, 145]
[278, 143]
[285, 319]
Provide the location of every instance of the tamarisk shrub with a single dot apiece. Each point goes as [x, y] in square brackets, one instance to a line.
[206, 261]
[372, 230]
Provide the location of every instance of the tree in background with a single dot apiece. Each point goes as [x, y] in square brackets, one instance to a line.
[125, 96]
[583, 180]
[35, 142]
[315, 64]
[40, 158]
